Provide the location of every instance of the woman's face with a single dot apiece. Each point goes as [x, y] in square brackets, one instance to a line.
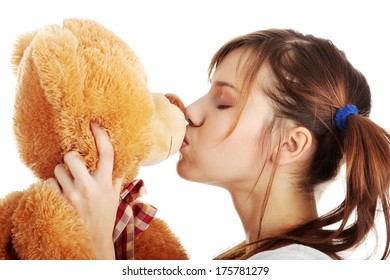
[207, 156]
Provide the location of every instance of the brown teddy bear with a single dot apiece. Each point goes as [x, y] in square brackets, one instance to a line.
[69, 76]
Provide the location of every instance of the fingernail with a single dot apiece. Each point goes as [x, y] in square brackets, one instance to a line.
[95, 124]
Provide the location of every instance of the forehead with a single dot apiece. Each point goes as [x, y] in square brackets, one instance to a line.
[238, 66]
[229, 69]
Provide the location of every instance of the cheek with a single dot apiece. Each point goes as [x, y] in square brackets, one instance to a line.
[242, 152]
[247, 148]
[236, 160]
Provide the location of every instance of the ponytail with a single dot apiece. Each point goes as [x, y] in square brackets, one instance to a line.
[367, 158]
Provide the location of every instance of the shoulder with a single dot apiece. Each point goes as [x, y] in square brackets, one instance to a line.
[291, 252]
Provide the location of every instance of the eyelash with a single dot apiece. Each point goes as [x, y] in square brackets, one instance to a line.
[222, 107]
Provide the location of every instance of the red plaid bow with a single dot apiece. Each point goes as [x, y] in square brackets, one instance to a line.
[132, 218]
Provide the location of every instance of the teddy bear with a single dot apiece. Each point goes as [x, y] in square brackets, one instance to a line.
[68, 76]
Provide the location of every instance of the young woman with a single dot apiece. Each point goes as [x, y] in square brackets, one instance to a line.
[283, 113]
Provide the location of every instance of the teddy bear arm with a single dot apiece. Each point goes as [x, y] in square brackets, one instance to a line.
[158, 242]
[7, 208]
[45, 226]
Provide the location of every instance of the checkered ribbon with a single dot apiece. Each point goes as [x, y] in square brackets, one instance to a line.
[132, 218]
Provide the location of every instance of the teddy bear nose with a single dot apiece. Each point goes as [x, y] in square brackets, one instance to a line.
[175, 100]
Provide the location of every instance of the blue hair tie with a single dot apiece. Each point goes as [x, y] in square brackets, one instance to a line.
[342, 115]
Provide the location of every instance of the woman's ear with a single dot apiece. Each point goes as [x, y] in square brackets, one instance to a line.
[295, 145]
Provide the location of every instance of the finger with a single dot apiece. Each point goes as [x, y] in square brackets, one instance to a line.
[105, 150]
[77, 167]
[52, 183]
[64, 179]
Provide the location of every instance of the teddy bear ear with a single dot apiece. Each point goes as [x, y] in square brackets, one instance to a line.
[53, 52]
[20, 46]
[55, 57]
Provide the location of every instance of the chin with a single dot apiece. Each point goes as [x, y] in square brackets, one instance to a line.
[180, 169]
[185, 171]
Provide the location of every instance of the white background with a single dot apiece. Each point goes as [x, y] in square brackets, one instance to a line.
[175, 41]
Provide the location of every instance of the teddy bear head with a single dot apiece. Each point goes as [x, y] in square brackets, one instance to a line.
[70, 75]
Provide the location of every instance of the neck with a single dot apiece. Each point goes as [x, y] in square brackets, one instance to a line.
[285, 209]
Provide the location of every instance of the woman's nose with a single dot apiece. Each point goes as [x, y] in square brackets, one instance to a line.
[194, 113]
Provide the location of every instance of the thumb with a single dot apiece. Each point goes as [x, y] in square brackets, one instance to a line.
[118, 185]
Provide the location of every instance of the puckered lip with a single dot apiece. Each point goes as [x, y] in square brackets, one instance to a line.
[185, 142]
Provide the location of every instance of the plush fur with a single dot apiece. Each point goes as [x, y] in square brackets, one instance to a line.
[69, 76]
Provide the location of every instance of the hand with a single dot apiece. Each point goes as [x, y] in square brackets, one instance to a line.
[94, 196]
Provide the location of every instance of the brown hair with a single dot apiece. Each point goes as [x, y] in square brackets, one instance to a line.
[311, 79]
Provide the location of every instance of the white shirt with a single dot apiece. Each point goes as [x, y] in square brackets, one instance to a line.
[291, 252]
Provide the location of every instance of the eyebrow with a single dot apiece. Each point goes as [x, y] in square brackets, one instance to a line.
[224, 84]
